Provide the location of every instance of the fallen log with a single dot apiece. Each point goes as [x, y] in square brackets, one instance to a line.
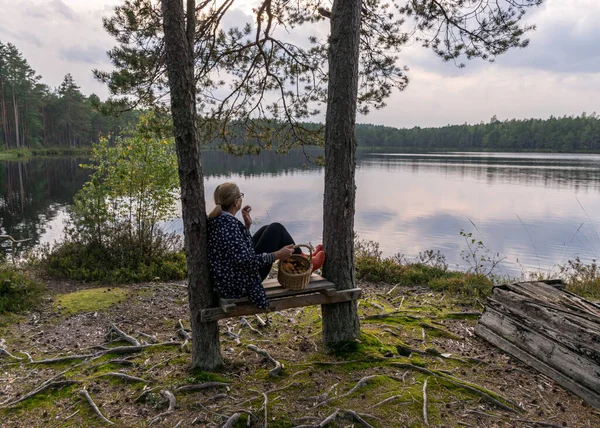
[550, 329]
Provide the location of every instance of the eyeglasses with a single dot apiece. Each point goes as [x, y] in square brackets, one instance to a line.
[241, 195]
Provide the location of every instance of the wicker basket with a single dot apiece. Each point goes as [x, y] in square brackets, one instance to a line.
[296, 281]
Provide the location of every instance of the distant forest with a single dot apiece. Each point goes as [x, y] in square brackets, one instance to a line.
[33, 115]
[556, 134]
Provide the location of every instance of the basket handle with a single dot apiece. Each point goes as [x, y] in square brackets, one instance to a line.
[310, 250]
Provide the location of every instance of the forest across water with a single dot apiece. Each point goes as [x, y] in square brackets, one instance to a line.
[34, 115]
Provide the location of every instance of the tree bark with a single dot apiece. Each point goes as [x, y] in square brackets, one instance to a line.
[340, 321]
[16, 110]
[206, 353]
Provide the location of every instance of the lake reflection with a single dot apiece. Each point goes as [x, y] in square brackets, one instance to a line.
[536, 209]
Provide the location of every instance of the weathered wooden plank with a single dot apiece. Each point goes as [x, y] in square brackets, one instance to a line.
[547, 293]
[277, 291]
[213, 314]
[592, 397]
[575, 366]
[565, 327]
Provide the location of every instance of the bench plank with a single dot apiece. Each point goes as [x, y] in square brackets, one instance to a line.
[247, 308]
[274, 290]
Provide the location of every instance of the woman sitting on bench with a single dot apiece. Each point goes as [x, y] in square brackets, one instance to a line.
[238, 261]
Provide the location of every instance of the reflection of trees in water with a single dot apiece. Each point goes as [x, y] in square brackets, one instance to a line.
[575, 174]
[217, 163]
[33, 192]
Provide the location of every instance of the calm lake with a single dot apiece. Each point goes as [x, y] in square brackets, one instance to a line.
[537, 210]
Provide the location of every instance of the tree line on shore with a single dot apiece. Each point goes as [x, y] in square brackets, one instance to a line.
[33, 115]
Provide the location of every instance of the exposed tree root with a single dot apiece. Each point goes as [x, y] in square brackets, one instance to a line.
[202, 386]
[278, 366]
[244, 322]
[144, 393]
[3, 351]
[182, 331]
[122, 362]
[425, 417]
[172, 403]
[334, 415]
[125, 377]
[152, 339]
[42, 388]
[63, 359]
[94, 407]
[521, 421]
[230, 423]
[515, 408]
[124, 336]
[116, 350]
[358, 418]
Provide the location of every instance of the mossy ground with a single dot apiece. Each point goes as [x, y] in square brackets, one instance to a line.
[427, 324]
[90, 300]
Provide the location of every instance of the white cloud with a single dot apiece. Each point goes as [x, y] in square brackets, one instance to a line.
[557, 74]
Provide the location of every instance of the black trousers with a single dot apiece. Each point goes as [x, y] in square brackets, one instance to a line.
[269, 239]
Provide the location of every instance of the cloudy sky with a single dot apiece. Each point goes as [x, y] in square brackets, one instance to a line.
[558, 74]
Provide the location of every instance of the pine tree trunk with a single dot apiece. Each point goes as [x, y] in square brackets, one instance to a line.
[206, 352]
[340, 320]
[16, 110]
[4, 120]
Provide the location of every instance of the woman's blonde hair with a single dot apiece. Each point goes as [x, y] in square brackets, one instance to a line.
[225, 196]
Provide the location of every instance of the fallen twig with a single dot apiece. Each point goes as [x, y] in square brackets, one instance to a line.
[94, 407]
[261, 322]
[387, 400]
[278, 366]
[126, 377]
[123, 335]
[359, 385]
[172, 403]
[425, 418]
[202, 386]
[392, 290]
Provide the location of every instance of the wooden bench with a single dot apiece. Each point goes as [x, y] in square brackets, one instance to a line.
[318, 291]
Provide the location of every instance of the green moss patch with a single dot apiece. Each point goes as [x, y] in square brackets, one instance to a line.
[91, 300]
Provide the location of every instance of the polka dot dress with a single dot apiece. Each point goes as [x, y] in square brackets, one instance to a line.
[233, 262]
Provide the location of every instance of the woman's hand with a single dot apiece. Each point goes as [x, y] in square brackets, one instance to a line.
[284, 253]
[246, 216]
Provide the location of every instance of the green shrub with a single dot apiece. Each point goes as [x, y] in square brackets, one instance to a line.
[429, 270]
[114, 230]
[74, 260]
[17, 292]
[581, 278]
